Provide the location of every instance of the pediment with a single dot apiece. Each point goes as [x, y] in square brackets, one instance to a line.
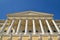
[30, 13]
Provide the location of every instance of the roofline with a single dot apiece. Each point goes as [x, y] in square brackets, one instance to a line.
[32, 11]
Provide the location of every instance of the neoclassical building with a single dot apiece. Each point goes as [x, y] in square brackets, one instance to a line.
[30, 25]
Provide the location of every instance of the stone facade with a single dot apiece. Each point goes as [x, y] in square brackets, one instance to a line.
[30, 25]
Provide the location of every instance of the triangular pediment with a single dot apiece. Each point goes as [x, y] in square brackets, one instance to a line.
[30, 13]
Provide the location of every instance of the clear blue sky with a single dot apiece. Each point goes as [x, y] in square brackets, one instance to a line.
[11, 6]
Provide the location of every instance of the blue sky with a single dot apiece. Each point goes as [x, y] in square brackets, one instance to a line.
[12, 6]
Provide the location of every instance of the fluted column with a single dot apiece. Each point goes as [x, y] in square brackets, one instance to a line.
[26, 27]
[34, 29]
[56, 26]
[19, 23]
[2, 29]
[41, 26]
[9, 29]
[49, 26]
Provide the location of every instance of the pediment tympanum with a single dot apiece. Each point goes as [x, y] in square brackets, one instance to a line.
[29, 14]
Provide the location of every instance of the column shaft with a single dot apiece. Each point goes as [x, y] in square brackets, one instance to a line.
[34, 29]
[26, 26]
[3, 26]
[41, 26]
[19, 23]
[9, 29]
[49, 27]
[55, 26]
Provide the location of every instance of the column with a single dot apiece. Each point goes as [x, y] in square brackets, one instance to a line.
[26, 26]
[9, 29]
[49, 26]
[3, 26]
[41, 26]
[56, 26]
[19, 23]
[34, 29]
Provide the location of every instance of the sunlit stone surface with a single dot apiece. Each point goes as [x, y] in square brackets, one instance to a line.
[30, 25]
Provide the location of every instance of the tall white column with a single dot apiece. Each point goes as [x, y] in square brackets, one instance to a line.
[34, 29]
[19, 23]
[26, 27]
[49, 26]
[9, 29]
[56, 26]
[41, 26]
[3, 26]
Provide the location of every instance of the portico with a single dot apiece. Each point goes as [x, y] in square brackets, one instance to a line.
[30, 25]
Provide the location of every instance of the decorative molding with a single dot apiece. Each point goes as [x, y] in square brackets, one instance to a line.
[30, 17]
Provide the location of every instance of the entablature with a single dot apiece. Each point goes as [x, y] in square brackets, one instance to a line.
[30, 17]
